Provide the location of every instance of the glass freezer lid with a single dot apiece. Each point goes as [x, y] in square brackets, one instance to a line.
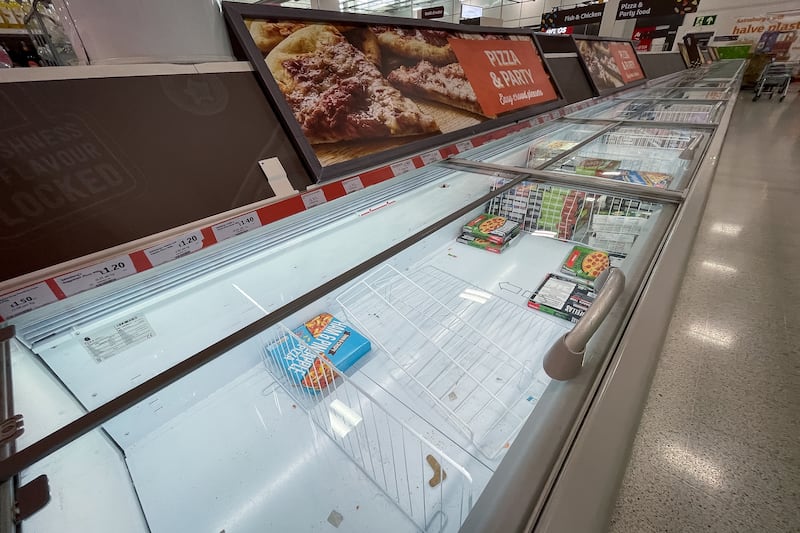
[690, 112]
[453, 370]
[684, 93]
[613, 110]
[532, 149]
[648, 156]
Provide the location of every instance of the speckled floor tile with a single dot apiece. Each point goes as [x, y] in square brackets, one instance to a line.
[718, 446]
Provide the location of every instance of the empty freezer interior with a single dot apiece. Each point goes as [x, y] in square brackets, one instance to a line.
[406, 438]
[105, 345]
[532, 149]
[682, 93]
[663, 157]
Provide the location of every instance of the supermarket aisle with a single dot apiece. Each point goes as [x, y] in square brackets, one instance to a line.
[718, 448]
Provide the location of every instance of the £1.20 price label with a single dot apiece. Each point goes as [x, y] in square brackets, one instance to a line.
[96, 275]
[178, 247]
[24, 300]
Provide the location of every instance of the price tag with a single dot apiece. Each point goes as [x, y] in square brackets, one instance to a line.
[401, 167]
[96, 275]
[463, 146]
[352, 185]
[236, 226]
[314, 198]
[25, 300]
[178, 247]
[431, 157]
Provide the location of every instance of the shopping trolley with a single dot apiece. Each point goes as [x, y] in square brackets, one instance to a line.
[775, 78]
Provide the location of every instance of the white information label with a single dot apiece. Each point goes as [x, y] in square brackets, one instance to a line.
[401, 167]
[431, 157]
[236, 226]
[352, 185]
[178, 247]
[96, 275]
[25, 300]
[313, 199]
[108, 341]
[555, 293]
[463, 146]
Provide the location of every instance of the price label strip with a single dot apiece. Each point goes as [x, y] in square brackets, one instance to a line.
[174, 249]
[236, 226]
[401, 167]
[352, 185]
[27, 299]
[96, 275]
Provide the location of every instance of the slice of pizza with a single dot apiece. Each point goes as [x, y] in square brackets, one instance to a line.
[445, 84]
[268, 34]
[337, 94]
[416, 43]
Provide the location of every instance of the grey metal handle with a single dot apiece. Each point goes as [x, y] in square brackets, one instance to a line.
[564, 359]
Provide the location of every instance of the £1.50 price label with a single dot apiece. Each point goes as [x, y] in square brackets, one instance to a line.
[178, 247]
[96, 275]
[25, 300]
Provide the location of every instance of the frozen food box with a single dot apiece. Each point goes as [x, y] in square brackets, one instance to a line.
[483, 244]
[596, 166]
[644, 177]
[586, 263]
[493, 228]
[562, 297]
[317, 347]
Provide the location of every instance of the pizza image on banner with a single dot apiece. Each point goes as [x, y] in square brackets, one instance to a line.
[601, 65]
[357, 89]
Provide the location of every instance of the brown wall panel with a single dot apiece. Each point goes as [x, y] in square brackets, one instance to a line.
[93, 163]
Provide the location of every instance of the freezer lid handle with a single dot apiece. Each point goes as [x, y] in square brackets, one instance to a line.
[564, 359]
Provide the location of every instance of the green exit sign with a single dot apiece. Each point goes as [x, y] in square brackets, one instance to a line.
[708, 20]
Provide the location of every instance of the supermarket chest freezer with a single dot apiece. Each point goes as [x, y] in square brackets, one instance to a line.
[171, 403]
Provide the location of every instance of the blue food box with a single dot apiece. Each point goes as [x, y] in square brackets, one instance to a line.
[325, 339]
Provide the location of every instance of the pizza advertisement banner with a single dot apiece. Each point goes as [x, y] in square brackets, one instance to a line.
[505, 75]
[627, 62]
[356, 91]
[610, 65]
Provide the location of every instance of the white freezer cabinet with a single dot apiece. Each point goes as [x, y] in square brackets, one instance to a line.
[406, 438]
[164, 403]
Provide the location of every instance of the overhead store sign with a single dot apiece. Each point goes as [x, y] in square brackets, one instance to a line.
[655, 8]
[573, 17]
[433, 12]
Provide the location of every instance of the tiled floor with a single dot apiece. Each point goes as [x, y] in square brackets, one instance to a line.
[718, 448]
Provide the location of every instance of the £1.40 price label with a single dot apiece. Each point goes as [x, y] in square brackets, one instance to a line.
[236, 226]
[25, 300]
[96, 275]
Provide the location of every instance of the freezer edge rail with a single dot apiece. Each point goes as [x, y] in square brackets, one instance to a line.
[592, 473]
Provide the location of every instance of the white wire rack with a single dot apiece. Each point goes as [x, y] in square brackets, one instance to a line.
[639, 149]
[426, 485]
[609, 223]
[690, 113]
[447, 336]
[614, 110]
[549, 146]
